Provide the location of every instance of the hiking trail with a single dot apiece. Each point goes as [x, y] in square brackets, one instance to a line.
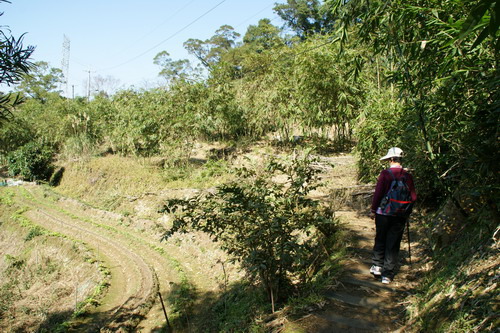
[359, 302]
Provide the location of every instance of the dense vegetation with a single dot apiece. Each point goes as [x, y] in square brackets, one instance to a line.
[355, 74]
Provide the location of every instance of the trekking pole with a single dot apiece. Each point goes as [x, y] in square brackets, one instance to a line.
[408, 234]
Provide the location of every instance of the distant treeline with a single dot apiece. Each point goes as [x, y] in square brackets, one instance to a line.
[362, 74]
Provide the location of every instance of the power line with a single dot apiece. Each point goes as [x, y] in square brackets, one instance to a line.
[154, 29]
[79, 62]
[167, 39]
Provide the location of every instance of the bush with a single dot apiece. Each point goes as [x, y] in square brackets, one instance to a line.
[32, 161]
[14, 134]
[273, 229]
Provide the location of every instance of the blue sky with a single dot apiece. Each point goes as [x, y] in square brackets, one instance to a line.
[119, 38]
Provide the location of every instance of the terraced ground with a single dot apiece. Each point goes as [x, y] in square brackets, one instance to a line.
[141, 266]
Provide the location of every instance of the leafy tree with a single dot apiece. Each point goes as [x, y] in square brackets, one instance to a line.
[273, 230]
[14, 63]
[221, 115]
[378, 127]
[210, 51]
[263, 36]
[266, 91]
[328, 94]
[199, 49]
[41, 81]
[172, 70]
[305, 17]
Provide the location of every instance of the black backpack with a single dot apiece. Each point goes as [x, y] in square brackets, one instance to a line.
[397, 202]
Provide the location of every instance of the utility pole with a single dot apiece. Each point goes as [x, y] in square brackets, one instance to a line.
[88, 86]
[88, 95]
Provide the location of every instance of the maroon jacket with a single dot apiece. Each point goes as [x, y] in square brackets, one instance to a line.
[384, 183]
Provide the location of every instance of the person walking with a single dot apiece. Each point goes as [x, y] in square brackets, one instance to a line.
[389, 226]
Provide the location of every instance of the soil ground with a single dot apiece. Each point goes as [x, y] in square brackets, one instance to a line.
[358, 301]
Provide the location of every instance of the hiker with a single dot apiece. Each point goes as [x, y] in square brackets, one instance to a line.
[389, 223]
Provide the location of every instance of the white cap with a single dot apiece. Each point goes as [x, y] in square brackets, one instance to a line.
[393, 152]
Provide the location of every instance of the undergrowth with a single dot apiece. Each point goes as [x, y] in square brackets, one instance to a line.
[459, 293]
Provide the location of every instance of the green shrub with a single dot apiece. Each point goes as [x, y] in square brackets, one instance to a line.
[34, 232]
[32, 161]
[182, 300]
[273, 229]
[14, 134]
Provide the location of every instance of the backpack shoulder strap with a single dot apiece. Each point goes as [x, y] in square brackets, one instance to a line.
[402, 175]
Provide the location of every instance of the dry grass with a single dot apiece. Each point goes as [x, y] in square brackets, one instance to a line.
[41, 279]
[109, 179]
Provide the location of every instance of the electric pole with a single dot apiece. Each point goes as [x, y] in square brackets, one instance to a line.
[88, 86]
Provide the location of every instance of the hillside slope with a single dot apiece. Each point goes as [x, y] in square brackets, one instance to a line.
[110, 205]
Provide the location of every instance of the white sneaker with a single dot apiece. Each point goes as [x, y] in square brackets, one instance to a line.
[376, 270]
[386, 280]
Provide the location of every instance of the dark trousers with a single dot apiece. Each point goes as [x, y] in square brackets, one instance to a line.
[389, 232]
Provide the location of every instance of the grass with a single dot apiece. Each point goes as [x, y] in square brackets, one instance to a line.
[175, 263]
[40, 273]
[210, 174]
[459, 293]
[111, 182]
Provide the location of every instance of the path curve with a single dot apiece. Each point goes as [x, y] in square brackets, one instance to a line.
[133, 264]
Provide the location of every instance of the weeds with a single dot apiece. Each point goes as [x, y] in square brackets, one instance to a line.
[35, 267]
[236, 309]
[458, 294]
[14, 263]
[182, 300]
[34, 232]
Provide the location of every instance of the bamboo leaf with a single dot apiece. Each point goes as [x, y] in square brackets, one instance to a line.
[474, 18]
[481, 37]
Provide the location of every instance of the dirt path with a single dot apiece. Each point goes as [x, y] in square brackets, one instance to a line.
[359, 302]
[135, 262]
